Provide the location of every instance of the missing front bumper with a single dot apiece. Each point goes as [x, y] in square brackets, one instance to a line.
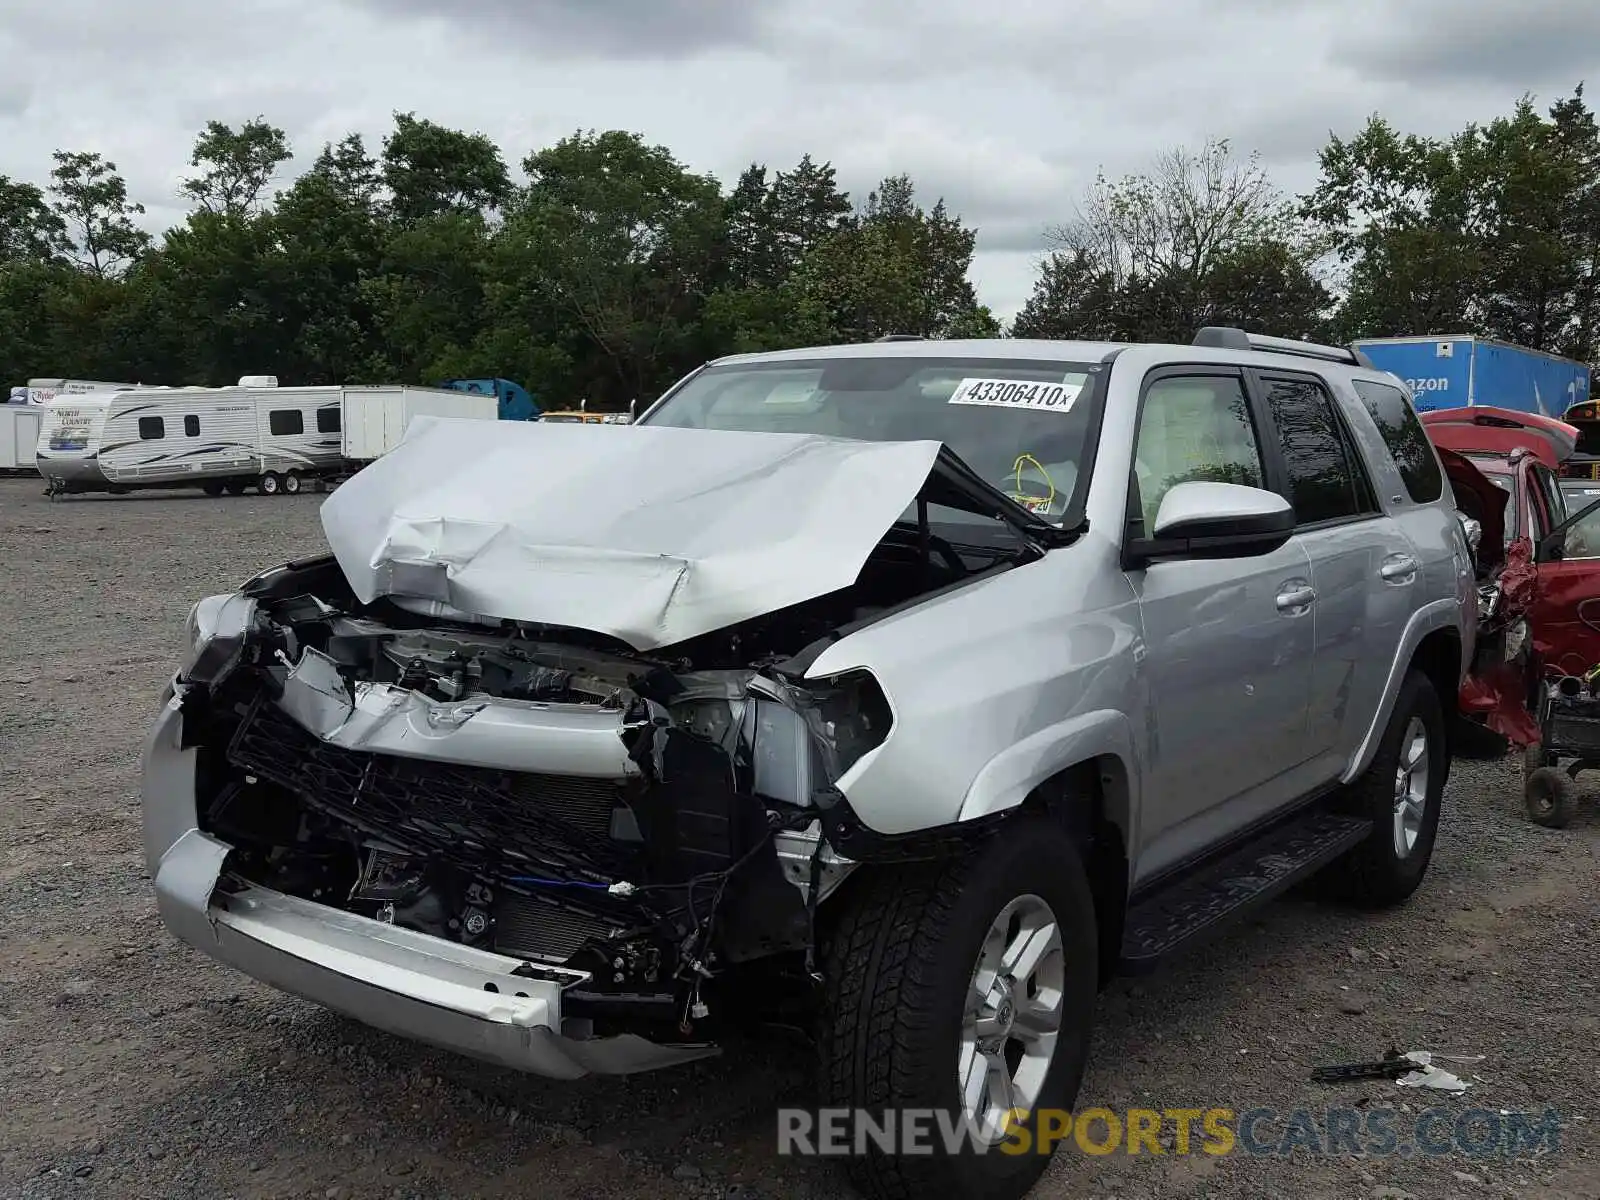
[395, 979]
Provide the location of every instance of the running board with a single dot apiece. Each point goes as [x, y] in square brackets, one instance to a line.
[1202, 904]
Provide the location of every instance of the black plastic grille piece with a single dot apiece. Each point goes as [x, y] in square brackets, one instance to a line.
[499, 824]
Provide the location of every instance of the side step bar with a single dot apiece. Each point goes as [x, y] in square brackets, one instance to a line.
[1199, 905]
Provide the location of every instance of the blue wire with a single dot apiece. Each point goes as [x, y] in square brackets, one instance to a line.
[558, 882]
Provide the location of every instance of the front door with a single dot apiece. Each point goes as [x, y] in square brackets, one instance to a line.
[1227, 643]
[1565, 616]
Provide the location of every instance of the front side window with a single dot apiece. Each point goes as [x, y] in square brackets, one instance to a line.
[1020, 424]
[1583, 535]
[191, 426]
[151, 428]
[1194, 428]
[1408, 442]
[1323, 478]
[327, 420]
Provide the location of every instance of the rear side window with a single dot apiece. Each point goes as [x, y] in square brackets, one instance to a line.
[1325, 481]
[1407, 440]
[327, 420]
[286, 422]
[191, 426]
[151, 428]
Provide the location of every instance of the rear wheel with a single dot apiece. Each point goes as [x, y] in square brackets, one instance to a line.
[967, 989]
[1401, 793]
[291, 484]
[269, 484]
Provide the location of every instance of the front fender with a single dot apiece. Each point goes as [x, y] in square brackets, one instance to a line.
[1008, 778]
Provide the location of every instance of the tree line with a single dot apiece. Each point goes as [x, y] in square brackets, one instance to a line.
[610, 268]
[1494, 230]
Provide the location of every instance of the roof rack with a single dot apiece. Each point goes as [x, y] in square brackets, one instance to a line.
[902, 337]
[1225, 337]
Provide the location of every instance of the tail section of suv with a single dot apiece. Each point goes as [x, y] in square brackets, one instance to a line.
[921, 685]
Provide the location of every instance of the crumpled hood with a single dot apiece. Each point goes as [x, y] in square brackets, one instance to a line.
[651, 535]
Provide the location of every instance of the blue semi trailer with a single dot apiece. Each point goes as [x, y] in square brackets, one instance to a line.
[515, 402]
[1462, 371]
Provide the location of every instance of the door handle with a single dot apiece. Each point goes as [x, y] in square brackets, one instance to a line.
[1398, 568]
[1296, 600]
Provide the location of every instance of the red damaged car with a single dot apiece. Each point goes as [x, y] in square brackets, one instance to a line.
[1539, 579]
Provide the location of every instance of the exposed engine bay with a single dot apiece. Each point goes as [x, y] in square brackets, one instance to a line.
[637, 827]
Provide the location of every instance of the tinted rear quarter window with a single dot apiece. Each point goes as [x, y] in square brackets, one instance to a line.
[1402, 432]
[327, 420]
[151, 428]
[1325, 480]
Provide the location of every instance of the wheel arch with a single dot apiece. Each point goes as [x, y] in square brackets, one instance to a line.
[1433, 643]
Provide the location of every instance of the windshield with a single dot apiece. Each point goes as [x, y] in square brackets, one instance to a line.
[1017, 423]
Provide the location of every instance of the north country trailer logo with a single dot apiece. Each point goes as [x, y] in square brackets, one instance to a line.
[1378, 1132]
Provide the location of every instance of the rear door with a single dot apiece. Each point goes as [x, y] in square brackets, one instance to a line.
[1366, 573]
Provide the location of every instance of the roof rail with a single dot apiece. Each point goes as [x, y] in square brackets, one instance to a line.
[902, 337]
[1225, 337]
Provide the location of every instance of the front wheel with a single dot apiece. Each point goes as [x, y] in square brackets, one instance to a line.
[1401, 792]
[963, 991]
[269, 484]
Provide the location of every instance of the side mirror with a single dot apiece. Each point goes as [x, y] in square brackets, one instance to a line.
[1215, 520]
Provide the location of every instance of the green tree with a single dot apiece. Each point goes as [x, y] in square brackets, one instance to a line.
[427, 295]
[897, 269]
[616, 239]
[30, 231]
[1201, 239]
[236, 165]
[431, 170]
[328, 236]
[1491, 230]
[92, 201]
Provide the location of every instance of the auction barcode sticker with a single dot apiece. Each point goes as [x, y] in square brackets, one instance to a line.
[1017, 393]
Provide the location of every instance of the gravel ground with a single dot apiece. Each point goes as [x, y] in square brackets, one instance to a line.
[133, 1066]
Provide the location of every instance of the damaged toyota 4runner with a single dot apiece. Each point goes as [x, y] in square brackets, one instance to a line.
[916, 687]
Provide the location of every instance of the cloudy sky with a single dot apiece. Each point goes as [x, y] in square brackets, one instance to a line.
[1004, 107]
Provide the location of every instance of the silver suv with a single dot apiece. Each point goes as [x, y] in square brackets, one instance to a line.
[920, 687]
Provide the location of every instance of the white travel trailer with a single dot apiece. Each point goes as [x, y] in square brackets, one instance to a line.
[275, 439]
[42, 391]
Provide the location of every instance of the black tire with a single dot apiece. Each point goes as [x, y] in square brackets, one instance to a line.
[291, 484]
[211, 487]
[899, 965]
[1551, 797]
[1377, 873]
[269, 484]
